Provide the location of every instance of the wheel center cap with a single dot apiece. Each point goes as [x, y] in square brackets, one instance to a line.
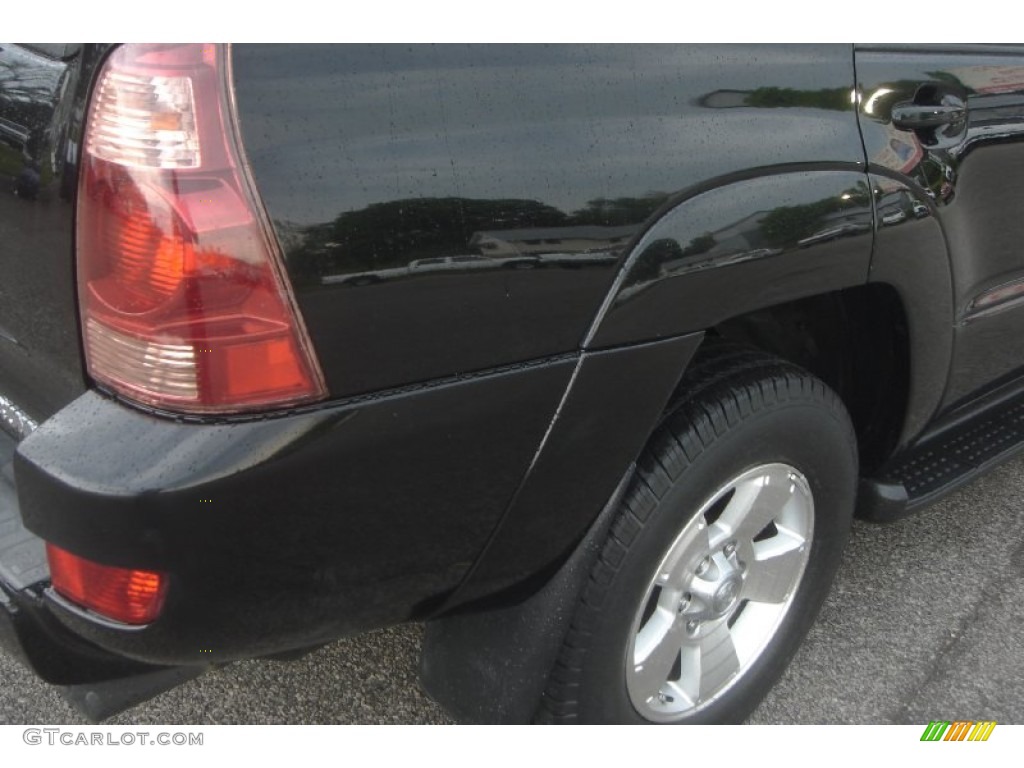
[725, 596]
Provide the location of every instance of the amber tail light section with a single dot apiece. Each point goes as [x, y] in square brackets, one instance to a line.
[183, 296]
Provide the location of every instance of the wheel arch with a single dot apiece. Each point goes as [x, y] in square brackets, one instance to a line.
[884, 289]
[740, 243]
[856, 341]
[813, 300]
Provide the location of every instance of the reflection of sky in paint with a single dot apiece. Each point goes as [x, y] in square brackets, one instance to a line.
[567, 124]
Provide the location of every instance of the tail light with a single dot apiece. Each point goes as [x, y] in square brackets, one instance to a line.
[183, 296]
[123, 594]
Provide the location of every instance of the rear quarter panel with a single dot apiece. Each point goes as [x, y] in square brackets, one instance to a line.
[540, 166]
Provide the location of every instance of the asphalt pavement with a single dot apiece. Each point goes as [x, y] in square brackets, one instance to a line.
[925, 622]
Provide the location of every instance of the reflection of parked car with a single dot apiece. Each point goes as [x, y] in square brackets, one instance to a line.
[433, 264]
[366, 278]
[577, 260]
[470, 262]
[832, 233]
[893, 217]
[13, 134]
[613, 493]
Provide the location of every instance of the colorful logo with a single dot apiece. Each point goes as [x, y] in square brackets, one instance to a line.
[959, 730]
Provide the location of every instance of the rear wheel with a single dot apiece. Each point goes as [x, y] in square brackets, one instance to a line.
[721, 554]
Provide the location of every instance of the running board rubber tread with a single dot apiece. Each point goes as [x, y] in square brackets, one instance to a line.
[929, 471]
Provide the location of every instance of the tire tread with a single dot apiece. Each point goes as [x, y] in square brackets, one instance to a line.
[726, 384]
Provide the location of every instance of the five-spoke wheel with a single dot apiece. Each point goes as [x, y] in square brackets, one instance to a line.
[720, 554]
[717, 596]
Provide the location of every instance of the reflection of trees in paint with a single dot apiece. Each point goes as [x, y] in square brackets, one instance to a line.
[787, 225]
[619, 211]
[759, 235]
[700, 244]
[393, 234]
[390, 236]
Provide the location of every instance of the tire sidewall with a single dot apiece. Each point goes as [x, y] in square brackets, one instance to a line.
[811, 437]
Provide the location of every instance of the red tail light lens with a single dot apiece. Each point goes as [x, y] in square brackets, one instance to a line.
[183, 297]
[123, 594]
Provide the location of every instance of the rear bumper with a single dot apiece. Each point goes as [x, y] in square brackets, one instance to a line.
[29, 630]
[280, 533]
[96, 682]
[32, 634]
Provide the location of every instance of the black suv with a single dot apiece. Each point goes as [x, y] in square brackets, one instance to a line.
[585, 356]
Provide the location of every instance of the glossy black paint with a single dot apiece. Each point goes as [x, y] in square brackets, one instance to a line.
[42, 89]
[33, 635]
[309, 535]
[610, 410]
[341, 518]
[452, 208]
[910, 255]
[972, 169]
[458, 223]
[740, 247]
[315, 524]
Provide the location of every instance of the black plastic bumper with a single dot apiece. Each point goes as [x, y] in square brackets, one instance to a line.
[281, 533]
[99, 683]
[30, 633]
[96, 682]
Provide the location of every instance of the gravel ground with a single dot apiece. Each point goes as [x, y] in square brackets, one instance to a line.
[926, 621]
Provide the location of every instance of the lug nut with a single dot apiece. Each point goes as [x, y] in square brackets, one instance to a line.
[685, 602]
[729, 549]
[692, 626]
[703, 565]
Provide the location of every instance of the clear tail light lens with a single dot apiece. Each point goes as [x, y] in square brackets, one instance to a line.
[146, 121]
[184, 300]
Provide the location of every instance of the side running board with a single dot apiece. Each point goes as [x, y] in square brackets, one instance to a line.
[940, 464]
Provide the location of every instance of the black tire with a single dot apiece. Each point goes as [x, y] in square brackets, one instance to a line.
[737, 410]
